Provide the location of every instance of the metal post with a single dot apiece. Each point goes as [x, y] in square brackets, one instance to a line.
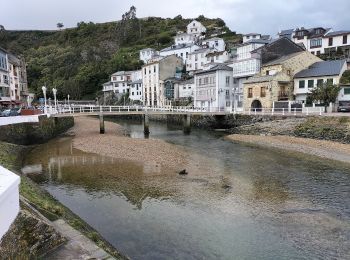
[282, 111]
[320, 111]
[295, 111]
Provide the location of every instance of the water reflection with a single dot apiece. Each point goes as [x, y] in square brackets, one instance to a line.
[237, 201]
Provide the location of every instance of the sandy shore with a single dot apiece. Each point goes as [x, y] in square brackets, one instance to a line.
[321, 148]
[115, 144]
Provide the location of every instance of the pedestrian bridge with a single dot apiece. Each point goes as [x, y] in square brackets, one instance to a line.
[187, 112]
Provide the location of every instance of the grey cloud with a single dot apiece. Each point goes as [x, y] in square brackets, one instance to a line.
[265, 16]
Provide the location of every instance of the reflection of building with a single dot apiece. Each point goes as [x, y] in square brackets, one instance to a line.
[153, 76]
[275, 80]
[317, 74]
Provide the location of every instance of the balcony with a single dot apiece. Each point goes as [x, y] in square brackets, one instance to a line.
[283, 95]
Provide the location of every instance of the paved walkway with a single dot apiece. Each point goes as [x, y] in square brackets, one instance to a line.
[78, 246]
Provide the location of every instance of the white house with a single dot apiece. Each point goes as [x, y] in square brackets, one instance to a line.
[181, 50]
[255, 36]
[186, 88]
[215, 43]
[213, 87]
[184, 38]
[136, 90]
[5, 96]
[318, 73]
[320, 40]
[147, 54]
[197, 59]
[153, 76]
[217, 56]
[344, 97]
[245, 63]
[196, 28]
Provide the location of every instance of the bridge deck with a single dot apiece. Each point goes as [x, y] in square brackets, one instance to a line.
[139, 113]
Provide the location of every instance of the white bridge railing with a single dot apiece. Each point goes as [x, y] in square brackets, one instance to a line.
[93, 109]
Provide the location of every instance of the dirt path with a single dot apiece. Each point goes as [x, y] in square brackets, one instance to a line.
[321, 148]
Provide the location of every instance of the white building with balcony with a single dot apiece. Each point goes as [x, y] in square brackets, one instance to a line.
[5, 97]
[147, 54]
[319, 73]
[213, 88]
[154, 75]
[215, 43]
[182, 51]
[246, 64]
[196, 28]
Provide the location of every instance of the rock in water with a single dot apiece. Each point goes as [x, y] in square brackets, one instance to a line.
[183, 172]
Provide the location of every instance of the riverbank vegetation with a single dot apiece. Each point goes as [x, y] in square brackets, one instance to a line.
[78, 60]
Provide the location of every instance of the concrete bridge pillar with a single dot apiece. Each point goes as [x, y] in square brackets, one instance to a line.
[187, 124]
[102, 124]
[146, 124]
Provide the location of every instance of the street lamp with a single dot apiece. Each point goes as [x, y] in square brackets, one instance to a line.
[234, 100]
[44, 92]
[54, 91]
[68, 99]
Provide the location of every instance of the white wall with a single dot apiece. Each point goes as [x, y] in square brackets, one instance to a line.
[18, 119]
[9, 199]
[136, 92]
[215, 43]
[147, 54]
[342, 96]
[184, 38]
[301, 93]
[186, 90]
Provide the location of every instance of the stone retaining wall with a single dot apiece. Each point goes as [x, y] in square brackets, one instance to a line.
[35, 133]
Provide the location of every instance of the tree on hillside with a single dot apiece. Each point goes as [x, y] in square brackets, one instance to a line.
[60, 25]
[129, 27]
[325, 93]
[345, 78]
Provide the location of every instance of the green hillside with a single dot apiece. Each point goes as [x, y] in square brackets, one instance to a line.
[78, 60]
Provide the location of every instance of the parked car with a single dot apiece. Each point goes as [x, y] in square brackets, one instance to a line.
[11, 112]
[344, 106]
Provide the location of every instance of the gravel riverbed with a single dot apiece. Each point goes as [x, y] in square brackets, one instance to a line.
[322, 148]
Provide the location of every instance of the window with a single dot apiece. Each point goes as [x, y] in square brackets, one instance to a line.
[263, 92]
[227, 80]
[250, 92]
[345, 39]
[288, 72]
[145, 71]
[316, 43]
[154, 69]
[267, 72]
[310, 83]
[318, 52]
[329, 81]
[330, 41]
[301, 83]
[319, 82]
[227, 92]
[346, 91]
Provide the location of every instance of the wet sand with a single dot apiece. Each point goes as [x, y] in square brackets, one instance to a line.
[321, 148]
[114, 143]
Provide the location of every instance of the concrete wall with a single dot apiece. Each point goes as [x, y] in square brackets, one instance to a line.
[9, 199]
[35, 133]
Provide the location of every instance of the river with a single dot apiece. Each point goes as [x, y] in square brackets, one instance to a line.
[246, 203]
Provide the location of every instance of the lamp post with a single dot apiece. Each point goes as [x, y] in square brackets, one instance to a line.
[44, 92]
[54, 91]
[68, 99]
[234, 100]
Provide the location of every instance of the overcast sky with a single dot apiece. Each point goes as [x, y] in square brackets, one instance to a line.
[242, 16]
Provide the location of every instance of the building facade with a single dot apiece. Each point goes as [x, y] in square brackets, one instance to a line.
[213, 88]
[182, 51]
[196, 28]
[147, 54]
[154, 75]
[275, 80]
[317, 74]
[13, 80]
[5, 97]
[215, 43]
[320, 40]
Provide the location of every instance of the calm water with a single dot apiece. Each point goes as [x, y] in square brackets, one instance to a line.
[243, 202]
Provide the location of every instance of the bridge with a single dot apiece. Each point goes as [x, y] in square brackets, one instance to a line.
[101, 111]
